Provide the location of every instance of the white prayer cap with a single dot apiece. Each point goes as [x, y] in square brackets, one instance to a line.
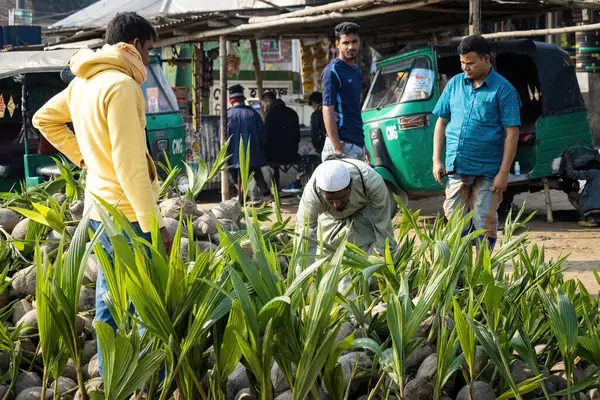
[332, 176]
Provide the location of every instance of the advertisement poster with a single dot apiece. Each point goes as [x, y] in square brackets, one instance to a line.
[419, 85]
[152, 96]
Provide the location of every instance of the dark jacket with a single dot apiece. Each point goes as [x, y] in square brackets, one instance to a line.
[243, 123]
[318, 133]
[589, 199]
[282, 128]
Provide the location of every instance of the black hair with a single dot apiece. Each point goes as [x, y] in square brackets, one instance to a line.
[474, 43]
[315, 99]
[346, 28]
[269, 96]
[128, 26]
[236, 89]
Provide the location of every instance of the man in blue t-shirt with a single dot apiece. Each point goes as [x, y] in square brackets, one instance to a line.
[478, 127]
[342, 87]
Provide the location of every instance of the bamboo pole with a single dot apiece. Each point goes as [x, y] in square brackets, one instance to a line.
[197, 68]
[423, 35]
[257, 71]
[326, 8]
[534, 32]
[550, 25]
[286, 22]
[223, 76]
[594, 5]
[474, 17]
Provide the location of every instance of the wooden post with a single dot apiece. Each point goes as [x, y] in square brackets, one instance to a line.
[224, 96]
[510, 34]
[198, 73]
[549, 215]
[474, 17]
[257, 71]
[550, 25]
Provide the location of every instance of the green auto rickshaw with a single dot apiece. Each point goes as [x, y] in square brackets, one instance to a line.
[399, 124]
[30, 78]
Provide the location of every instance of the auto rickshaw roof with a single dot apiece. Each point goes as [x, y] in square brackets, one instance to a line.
[24, 62]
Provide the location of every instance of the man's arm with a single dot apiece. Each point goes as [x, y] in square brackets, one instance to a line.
[581, 175]
[331, 87]
[309, 209]
[332, 129]
[296, 124]
[439, 143]
[382, 206]
[129, 152]
[510, 117]
[262, 129]
[51, 120]
[510, 149]
[443, 112]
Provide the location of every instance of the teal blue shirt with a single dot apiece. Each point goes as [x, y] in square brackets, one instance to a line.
[477, 118]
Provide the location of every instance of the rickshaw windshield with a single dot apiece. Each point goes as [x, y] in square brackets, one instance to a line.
[402, 82]
[157, 91]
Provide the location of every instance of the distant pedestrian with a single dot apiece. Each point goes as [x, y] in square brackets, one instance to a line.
[589, 198]
[318, 133]
[282, 130]
[244, 125]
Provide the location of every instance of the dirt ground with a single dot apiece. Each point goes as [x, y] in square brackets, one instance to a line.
[563, 237]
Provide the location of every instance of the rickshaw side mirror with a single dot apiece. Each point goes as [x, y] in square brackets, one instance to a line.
[66, 75]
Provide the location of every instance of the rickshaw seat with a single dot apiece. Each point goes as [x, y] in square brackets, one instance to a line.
[527, 133]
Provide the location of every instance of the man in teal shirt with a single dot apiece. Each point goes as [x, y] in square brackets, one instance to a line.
[478, 125]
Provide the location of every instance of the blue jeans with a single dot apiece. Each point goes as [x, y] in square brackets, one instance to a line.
[102, 312]
[350, 149]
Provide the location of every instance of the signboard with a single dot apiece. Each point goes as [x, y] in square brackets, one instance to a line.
[19, 16]
[280, 88]
[270, 50]
[152, 96]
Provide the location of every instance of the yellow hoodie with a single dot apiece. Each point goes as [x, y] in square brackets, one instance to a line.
[106, 106]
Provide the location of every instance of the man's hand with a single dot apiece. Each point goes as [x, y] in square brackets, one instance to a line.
[439, 171]
[499, 183]
[338, 149]
[568, 158]
[167, 239]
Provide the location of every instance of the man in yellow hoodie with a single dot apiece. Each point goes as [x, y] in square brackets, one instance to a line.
[106, 105]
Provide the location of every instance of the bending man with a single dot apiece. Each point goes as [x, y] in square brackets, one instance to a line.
[347, 196]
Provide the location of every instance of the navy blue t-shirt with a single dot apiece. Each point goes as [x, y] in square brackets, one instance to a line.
[342, 88]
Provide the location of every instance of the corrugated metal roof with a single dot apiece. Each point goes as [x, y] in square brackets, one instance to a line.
[101, 12]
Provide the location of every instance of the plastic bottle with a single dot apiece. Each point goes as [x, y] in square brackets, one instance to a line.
[517, 168]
